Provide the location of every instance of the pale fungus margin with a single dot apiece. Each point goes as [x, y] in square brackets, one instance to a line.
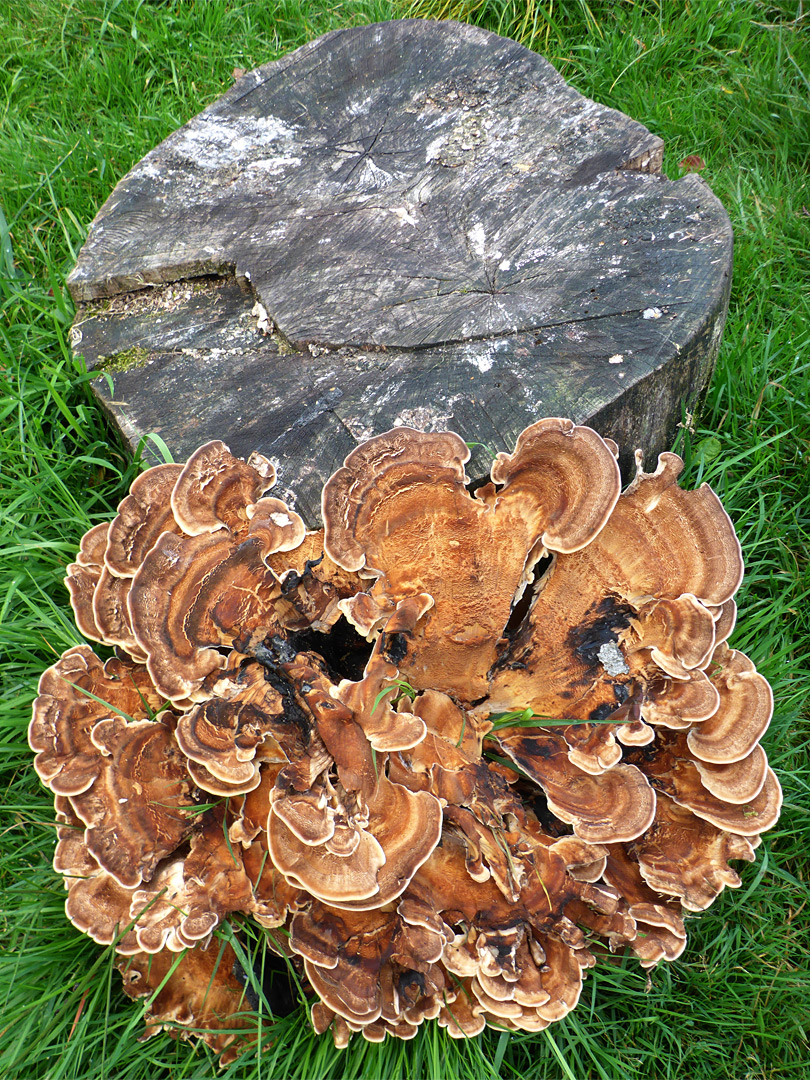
[455, 746]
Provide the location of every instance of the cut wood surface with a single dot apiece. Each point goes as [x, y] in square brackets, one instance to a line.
[407, 223]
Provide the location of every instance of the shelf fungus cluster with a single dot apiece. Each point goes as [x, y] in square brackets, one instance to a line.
[443, 754]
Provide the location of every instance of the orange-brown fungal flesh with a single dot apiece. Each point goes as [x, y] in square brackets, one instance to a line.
[566, 476]
[618, 804]
[401, 830]
[198, 995]
[743, 714]
[663, 555]
[684, 856]
[447, 751]
[111, 614]
[225, 733]
[192, 595]
[96, 904]
[756, 797]
[403, 494]
[187, 898]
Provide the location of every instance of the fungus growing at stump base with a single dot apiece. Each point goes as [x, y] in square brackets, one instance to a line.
[444, 751]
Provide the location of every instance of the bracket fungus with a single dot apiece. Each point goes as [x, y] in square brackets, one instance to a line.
[453, 746]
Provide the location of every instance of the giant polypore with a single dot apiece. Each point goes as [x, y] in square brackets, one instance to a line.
[444, 751]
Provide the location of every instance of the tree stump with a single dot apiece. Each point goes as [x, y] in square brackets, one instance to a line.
[407, 223]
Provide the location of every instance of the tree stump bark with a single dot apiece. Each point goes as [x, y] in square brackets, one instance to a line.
[407, 223]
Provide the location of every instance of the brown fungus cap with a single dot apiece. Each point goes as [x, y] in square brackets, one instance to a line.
[685, 540]
[679, 703]
[684, 856]
[142, 516]
[96, 904]
[135, 808]
[617, 806]
[725, 619]
[672, 769]
[663, 555]
[566, 476]
[462, 1014]
[679, 633]
[385, 728]
[661, 934]
[225, 732]
[339, 734]
[187, 898]
[83, 576]
[193, 595]
[737, 782]
[362, 963]
[74, 695]
[403, 828]
[279, 528]
[585, 862]
[215, 489]
[111, 614]
[592, 747]
[744, 711]
[99, 906]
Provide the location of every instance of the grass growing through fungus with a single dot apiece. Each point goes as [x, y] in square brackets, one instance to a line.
[88, 87]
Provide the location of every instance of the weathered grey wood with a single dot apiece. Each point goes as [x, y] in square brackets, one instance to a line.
[439, 231]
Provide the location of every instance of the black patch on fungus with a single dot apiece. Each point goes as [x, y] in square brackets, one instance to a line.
[344, 652]
[293, 713]
[394, 647]
[602, 624]
[293, 579]
[522, 609]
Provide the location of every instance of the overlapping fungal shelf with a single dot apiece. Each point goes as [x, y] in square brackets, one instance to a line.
[453, 747]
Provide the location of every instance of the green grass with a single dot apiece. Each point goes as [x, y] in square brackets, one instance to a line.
[87, 89]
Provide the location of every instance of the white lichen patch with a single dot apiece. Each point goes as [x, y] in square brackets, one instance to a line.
[456, 147]
[477, 238]
[404, 214]
[423, 418]
[360, 108]
[213, 143]
[617, 358]
[358, 429]
[373, 176]
[482, 354]
[275, 165]
[611, 658]
[652, 313]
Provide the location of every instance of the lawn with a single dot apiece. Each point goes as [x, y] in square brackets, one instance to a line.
[88, 87]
